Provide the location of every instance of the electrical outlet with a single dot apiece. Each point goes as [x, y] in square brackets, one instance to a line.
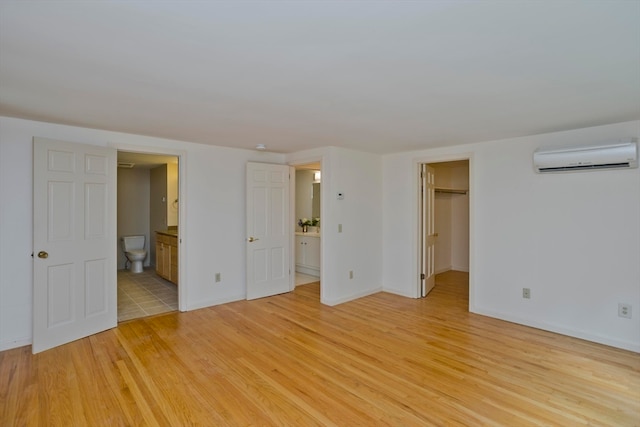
[218, 277]
[624, 310]
[526, 293]
[350, 274]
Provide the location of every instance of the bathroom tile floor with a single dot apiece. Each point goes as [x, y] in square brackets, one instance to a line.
[144, 294]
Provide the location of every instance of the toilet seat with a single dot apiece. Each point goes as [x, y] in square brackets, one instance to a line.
[137, 252]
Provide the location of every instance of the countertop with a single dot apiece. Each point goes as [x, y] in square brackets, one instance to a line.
[299, 233]
[168, 232]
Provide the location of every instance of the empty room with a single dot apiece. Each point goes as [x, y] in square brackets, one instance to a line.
[394, 213]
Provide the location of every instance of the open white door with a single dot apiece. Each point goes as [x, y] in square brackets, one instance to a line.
[268, 230]
[427, 229]
[74, 242]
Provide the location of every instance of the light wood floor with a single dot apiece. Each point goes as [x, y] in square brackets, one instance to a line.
[289, 361]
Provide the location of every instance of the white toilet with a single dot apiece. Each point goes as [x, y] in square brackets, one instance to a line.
[133, 247]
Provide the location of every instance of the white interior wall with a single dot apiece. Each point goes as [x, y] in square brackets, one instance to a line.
[16, 237]
[213, 238]
[573, 239]
[358, 248]
[133, 207]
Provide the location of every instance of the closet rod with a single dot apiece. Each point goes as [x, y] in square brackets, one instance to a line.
[451, 191]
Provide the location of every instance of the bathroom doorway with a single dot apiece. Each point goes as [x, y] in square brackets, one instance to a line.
[148, 205]
[307, 225]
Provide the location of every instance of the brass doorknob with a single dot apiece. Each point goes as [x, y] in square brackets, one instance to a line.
[252, 239]
[43, 254]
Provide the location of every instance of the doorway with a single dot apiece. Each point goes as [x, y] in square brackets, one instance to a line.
[307, 223]
[148, 202]
[448, 228]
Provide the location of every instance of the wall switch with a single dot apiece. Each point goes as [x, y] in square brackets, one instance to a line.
[526, 293]
[218, 277]
[350, 274]
[624, 310]
[339, 228]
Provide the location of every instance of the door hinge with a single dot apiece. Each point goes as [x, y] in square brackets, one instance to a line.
[423, 276]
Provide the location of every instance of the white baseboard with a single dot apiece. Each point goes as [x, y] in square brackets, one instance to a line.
[559, 329]
[351, 297]
[15, 344]
[211, 303]
[444, 269]
[308, 271]
[400, 293]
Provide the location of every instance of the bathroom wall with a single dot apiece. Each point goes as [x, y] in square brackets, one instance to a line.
[133, 207]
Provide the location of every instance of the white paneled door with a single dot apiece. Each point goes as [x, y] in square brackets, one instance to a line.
[268, 230]
[74, 242]
[428, 235]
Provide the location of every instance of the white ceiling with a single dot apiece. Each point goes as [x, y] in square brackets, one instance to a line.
[379, 76]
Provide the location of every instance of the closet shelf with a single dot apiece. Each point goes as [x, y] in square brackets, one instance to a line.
[451, 190]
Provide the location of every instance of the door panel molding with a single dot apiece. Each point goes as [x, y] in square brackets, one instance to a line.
[74, 237]
[268, 230]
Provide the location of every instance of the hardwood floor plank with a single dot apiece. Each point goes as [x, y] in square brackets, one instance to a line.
[288, 360]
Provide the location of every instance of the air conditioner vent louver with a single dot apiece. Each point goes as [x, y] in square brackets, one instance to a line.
[126, 165]
[620, 155]
[586, 167]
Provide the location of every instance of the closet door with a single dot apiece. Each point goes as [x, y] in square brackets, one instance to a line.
[427, 230]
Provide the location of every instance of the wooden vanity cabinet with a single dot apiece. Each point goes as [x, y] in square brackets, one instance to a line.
[167, 257]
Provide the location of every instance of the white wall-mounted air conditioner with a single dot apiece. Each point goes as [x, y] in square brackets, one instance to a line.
[620, 155]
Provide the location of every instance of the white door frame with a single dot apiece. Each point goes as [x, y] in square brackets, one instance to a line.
[416, 218]
[183, 287]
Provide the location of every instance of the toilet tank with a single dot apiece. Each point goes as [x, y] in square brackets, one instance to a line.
[132, 243]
